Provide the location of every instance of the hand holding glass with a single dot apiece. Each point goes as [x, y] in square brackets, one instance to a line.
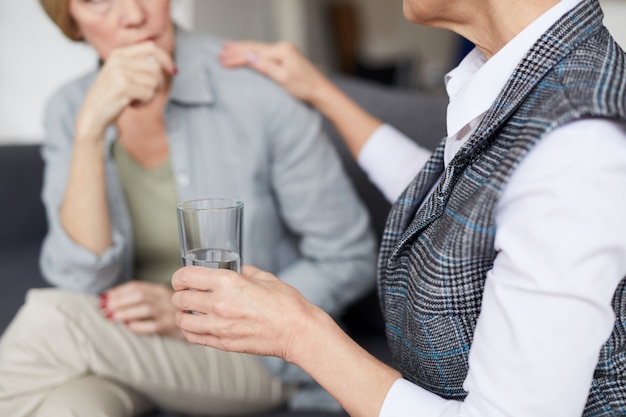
[210, 233]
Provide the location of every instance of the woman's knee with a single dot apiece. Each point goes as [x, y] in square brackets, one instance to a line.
[46, 315]
[93, 396]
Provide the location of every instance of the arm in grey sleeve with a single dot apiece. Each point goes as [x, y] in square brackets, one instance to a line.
[63, 262]
[319, 204]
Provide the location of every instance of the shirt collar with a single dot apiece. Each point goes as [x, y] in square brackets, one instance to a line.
[475, 83]
[191, 85]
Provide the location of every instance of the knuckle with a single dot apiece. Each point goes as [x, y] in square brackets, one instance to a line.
[220, 308]
[149, 311]
[179, 319]
[184, 299]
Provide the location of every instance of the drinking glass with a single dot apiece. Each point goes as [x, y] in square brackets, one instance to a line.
[210, 233]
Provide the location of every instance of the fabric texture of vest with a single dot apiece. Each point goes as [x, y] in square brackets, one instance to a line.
[433, 261]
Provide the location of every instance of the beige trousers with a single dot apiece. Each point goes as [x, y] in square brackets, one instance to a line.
[60, 357]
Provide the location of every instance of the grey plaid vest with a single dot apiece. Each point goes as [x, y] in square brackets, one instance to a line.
[434, 260]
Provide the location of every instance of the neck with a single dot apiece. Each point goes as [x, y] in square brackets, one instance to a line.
[498, 22]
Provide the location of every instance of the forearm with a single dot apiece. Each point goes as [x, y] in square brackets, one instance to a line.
[355, 378]
[353, 123]
[84, 212]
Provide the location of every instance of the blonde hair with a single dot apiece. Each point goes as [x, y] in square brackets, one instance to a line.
[59, 13]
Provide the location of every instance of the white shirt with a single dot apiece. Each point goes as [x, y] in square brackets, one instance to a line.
[561, 251]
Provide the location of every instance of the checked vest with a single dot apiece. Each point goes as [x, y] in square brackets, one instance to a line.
[434, 259]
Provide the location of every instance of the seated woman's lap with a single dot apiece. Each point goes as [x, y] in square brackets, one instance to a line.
[61, 336]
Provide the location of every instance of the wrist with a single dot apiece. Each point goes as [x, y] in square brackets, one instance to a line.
[87, 129]
[315, 328]
[323, 94]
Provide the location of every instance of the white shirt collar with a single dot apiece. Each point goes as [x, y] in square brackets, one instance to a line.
[475, 83]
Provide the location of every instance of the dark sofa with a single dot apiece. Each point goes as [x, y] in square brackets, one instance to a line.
[23, 224]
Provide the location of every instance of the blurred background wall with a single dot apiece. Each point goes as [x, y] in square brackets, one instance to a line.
[365, 38]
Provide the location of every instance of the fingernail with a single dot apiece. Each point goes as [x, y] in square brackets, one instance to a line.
[109, 315]
[175, 71]
[103, 300]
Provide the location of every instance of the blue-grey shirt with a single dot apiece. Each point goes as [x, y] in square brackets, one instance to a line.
[232, 133]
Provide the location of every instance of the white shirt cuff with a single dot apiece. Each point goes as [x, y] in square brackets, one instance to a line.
[391, 160]
[405, 399]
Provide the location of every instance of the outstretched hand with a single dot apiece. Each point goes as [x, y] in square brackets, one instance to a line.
[282, 62]
[286, 65]
[254, 312]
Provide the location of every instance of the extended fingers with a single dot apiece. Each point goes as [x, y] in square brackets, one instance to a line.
[242, 52]
[266, 58]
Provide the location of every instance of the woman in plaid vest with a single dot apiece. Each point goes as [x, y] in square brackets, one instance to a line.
[502, 266]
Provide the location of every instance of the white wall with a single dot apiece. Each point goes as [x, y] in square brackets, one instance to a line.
[615, 19]
[34, 59]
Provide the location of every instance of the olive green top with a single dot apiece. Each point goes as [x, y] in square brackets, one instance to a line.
[152, 198]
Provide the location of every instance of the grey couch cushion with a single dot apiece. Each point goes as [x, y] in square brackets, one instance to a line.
[21, 211]
[419, 116]
[22, 226]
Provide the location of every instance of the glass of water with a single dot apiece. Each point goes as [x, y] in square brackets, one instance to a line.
[210, 233]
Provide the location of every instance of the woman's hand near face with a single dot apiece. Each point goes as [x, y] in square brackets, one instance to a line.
[144, 307]
[131, 75]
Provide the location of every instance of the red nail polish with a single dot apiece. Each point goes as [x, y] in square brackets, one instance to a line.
[103, 301]
[109, 315]
[175, 71]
